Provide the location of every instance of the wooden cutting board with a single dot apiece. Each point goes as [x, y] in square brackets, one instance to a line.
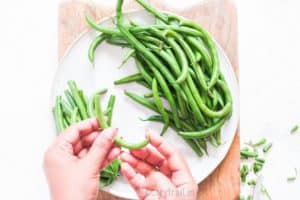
[219, 17]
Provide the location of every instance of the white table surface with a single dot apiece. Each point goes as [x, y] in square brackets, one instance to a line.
[269, 34]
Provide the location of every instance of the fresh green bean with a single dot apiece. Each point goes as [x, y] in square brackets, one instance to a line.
[129, 79]
[141, 48]
[267, 147]
[203, 51]
[143, 72]
[159, 105]
[294, 129]
[141, 100]
[249, 153]
[259, 143]
[212, 47]
[78, 100]
[99, 113]
[94, 25]
[110, 106]
[203, 133]
[70, 98]
[93, 46]
[74, 116]
[128, 55]
[153, 11]
[59, 115]
[166, 92]
[67, 110]
[91, 106]
[122, 143]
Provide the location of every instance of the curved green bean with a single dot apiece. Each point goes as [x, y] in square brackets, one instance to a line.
[122, 143]
[204, 133]
[93, 46]
[212, 47]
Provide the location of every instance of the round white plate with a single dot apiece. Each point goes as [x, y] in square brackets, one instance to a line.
[76, 66]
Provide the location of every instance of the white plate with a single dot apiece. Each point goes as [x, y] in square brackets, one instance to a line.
[76, 66]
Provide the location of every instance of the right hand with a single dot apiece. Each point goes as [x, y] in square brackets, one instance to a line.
[158, 171]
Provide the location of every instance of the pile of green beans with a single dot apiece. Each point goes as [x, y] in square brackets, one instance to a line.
[76, 106]
[177, 61]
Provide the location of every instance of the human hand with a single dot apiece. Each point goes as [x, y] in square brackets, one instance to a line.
[159, 172]
[72, 164]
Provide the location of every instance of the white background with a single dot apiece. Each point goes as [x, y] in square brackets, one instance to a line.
[269, 34]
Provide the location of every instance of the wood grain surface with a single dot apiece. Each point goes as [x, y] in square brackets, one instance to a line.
[219, 17]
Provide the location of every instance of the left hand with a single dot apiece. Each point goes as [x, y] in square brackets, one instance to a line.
[73, 163]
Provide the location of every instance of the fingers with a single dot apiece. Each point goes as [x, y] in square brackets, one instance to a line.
[153, 157]
[85, 142]
[174, 158]
[136, 180]
[72, 134]
[100, 148]
[180, 171]
[138, 165]
[112, 155]
[82, 153]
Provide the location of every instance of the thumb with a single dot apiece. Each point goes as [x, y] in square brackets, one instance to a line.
[100, 148]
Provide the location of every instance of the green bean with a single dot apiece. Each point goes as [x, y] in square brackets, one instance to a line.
[166, 57]
[74, 116]
[120, 142]
[179, 53]
[217, 136]
[220, 113]
[181, 106]
[188, 53]
[99, 113]
[91, 106]
[78, 100]
[259, 143]
[83, 98]
[166, 92]
[203, 145]
[143, 72]
[128, 55]
[183, 30]
[65, 107]
[59, 115]
[101, 91]
[150, 95]
[93, 46]
[141, 100]
[267, 147]
[144, 84]
[142, 49]
[159, 104]
[129, 79]
[203, 51]
[70, 98]
[203, 133]
[261, 160]
[110, 106]
[153, 11]
[211, 46]
[249, 153]
[294, 129]
[94, 25]
[118, 43]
